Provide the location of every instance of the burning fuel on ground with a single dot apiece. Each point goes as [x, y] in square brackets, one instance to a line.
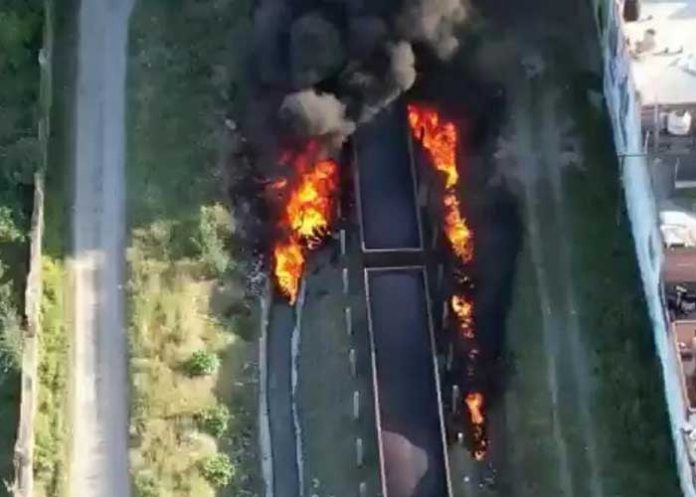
[306, 215]
[439, 137]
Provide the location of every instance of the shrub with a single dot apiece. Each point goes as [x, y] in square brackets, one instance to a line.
[202, 363]
[146, 485]
[214, 420]
[11, 335]
[9, 232]
[212, 239]
[218, 470]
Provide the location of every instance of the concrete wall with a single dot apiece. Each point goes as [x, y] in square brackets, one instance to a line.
[624, 108]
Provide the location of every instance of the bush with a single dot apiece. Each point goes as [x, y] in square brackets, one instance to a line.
[202, 363]
[218, 470]
[212, 239]
[214, 420]
[146, 485]
[9, 232]
[11, 334]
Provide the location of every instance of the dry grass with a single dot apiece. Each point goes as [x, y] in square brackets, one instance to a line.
[182, 61]
[171, 317]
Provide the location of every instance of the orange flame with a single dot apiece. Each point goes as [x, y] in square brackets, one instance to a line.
[474, 402]
[439, 139]
[306, 216]
[289, 262]
[458, 233]
[463, 309]
[309, 208]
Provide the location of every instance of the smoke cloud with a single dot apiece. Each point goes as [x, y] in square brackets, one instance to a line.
[310, 114]
[336, 63]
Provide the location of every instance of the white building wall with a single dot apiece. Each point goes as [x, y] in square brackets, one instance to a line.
[624, 109]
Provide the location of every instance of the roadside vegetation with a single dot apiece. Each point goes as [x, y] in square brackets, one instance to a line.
[21, 29]
[633, 427]
[192, 347]
[627, 408]
[52, 423]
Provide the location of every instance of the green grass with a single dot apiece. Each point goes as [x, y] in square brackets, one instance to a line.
[630, 406]
[626, 400]
[9, 416]
[181, 297]
[533, 455]
[52, 428]
[52, 421]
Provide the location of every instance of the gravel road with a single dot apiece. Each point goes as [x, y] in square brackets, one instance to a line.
[99, 466]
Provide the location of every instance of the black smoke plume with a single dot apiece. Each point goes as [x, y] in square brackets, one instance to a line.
[332, 64]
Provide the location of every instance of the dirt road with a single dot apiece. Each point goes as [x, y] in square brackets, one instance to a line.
[99, 466]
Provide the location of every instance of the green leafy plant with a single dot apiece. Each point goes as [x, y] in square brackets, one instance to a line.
[202, 363]
[214, 420]
[218, 470]
[146, 485]
[9, 232]
[11, 335]
[212, 239]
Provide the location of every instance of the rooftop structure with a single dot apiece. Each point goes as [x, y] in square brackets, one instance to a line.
[662, 44]
[649, 49]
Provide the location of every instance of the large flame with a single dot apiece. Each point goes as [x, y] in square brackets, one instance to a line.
[439, 138]
[288, 258]
[306, 217]
[309, 208]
